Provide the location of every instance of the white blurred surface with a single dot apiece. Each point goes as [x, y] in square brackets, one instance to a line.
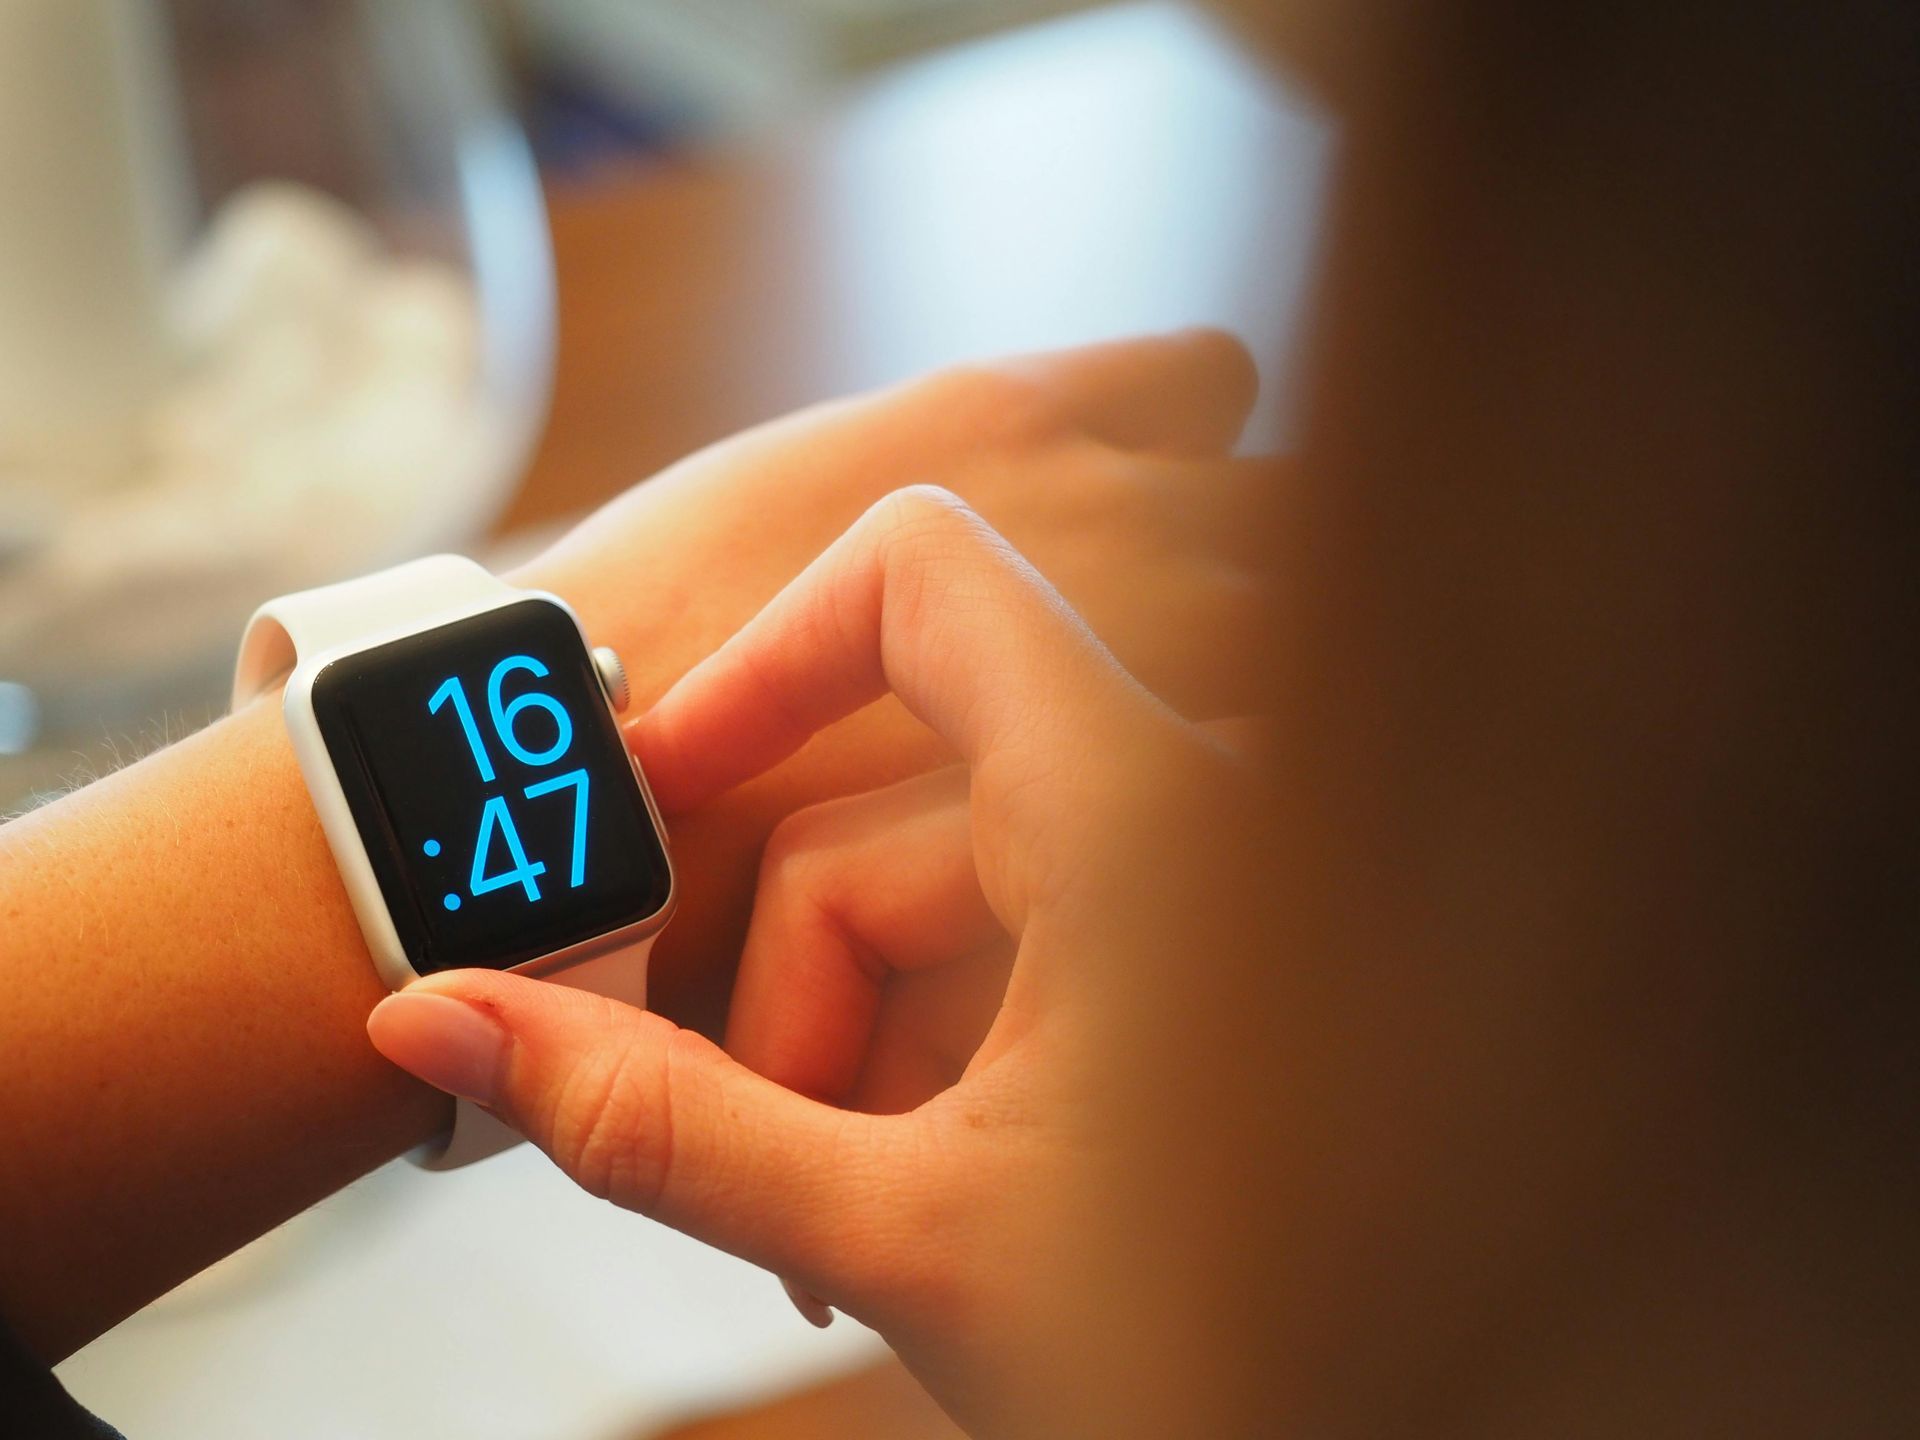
[1120, 172]
[496, 1303]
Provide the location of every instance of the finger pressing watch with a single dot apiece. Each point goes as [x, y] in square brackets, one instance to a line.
[458, 737]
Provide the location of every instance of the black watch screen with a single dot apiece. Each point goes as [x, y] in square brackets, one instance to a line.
[488, 780]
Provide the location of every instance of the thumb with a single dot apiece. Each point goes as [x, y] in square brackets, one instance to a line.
[657, 1119]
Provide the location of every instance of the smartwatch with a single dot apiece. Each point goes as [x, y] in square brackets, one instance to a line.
[458, 737]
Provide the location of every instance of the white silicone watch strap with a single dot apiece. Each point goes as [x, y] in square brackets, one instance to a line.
[355, 612]
[361, 613]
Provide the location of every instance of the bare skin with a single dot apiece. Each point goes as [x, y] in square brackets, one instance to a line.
[945, 1221]
[186, 1062]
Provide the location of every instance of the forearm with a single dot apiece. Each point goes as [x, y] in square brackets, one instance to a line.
[184, 985]
[185, 1061]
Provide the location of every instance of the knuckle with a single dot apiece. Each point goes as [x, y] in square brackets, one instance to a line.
[923, 523]
[1110, 493]
[920, 1261]
[921, 530]
[1223, 354]
[916, 510]
[992, 401]
[788, 858]
[804, 875]
[612, 1130]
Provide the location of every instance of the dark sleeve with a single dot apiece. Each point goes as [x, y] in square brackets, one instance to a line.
[33, 1406]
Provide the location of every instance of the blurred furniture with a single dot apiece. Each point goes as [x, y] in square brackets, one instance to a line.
[736, 66]
[275, 308]
[1123, 170]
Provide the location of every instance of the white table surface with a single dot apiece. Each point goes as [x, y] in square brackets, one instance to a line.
[496, 1303]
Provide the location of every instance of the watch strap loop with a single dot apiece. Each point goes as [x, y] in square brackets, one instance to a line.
[306, 623]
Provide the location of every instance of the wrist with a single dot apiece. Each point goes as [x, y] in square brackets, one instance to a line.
[187, 1063]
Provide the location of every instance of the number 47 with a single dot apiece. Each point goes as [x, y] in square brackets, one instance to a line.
[496, 818]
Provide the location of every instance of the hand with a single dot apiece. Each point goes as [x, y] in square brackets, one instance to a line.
[179, 1134]
[1106, 466]
[948, 1227]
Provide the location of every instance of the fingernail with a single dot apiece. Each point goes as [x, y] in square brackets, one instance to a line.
[446, 1042]
[811, 1307]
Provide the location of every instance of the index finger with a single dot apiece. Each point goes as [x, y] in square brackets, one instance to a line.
[920, 597]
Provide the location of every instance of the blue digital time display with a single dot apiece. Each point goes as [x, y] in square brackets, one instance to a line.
[496, 818]
[488, 780]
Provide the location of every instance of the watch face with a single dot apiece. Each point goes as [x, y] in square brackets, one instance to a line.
[491, 788]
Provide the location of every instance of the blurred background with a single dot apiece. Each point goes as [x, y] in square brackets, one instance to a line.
[294, 289]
